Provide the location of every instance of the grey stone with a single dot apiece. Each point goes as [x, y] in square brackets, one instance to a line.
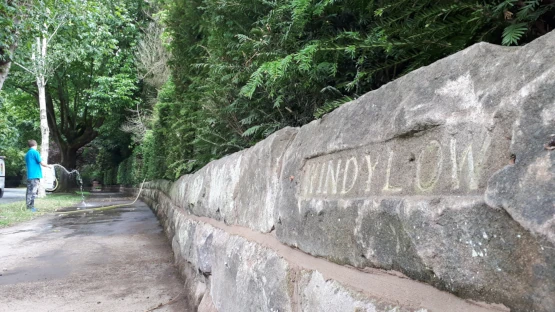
[258, 181]
[418, 177]
[206, 255]
[526, 189]
[318, 294]
[237, 189]
[247, 277]
[206, 305]
[257, 266]
[243, 276]
[442, 175]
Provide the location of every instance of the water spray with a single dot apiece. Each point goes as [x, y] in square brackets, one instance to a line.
[83, 194]
[78, 179]
[105, 207]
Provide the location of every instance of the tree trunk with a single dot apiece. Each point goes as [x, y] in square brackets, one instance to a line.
[69, 157]
[5, 67]
[69, 161]
[44, 130]
[4, 70]
[41, 84]
[66, 182]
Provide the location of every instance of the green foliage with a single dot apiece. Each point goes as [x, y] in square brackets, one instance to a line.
[131, 171]
[330, 106]
[513, 33]
[244, 69]
[524, 18]
[163, 151]
[17, 212]
[9, 141]
[8, 12]
[110, 177]
[241, 69]
[92, 78]
[125, 172]
[18, 123]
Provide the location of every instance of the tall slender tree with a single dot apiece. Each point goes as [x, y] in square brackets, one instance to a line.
[49, 17]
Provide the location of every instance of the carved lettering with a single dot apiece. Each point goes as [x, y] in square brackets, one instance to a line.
[473, 167]
[392, 169]
[332, 177]
[433, 147]
[371, 169]
[354, 176]
[323, 168]
[387, 187]
[308, 179]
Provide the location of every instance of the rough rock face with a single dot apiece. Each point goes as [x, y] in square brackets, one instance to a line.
[233, 268]
[442, 175]
[396, 179]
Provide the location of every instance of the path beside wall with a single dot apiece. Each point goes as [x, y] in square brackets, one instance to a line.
[434, 192]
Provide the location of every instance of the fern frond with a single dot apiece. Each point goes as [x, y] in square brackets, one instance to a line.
[330, 106]
[251, 131]
[513, 33]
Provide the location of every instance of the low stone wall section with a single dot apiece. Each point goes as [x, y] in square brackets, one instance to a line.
[233, 268]
[444, 176]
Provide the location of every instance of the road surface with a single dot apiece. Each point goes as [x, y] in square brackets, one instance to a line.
[116, 260]
[12, 195]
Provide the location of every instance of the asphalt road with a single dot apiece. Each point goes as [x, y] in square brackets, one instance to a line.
[12, 195]
[115, 260]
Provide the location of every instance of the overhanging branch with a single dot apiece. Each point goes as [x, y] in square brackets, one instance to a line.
[25, 68]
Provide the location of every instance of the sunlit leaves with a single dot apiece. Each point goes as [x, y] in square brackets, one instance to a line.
[111, 93]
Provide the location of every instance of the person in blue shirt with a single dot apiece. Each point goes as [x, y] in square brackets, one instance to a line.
[34, 173]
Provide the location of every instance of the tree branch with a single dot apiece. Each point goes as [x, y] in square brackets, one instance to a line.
[55, 31]
[52, 120]
[25, 68]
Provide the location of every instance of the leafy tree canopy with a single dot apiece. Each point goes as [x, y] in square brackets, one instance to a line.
[160, 88]
[92, 75]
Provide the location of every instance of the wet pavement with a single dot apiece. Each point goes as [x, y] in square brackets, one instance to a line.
[112, 260]
[13, 195]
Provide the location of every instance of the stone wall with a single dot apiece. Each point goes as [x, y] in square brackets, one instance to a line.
[435, 192]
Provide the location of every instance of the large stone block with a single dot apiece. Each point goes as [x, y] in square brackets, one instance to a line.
[231, 268]
[244, 276]
[238, 189]
[441, 175]
[319, 294]
[256, 196]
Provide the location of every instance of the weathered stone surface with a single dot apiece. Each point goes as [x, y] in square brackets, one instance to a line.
[441, 175]
[317, 294]
[238, 189]
[526, 190]
[396, 179]
[226, 265]
[206, 305]
[243, 276]
[257, 190]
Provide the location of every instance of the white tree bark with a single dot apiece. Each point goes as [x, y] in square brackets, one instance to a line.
[41, 69]
[41, 84]
[4, 70]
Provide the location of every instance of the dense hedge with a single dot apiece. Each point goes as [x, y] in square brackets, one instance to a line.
[243, 69]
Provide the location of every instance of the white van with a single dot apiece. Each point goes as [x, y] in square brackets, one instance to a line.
[2, 176]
